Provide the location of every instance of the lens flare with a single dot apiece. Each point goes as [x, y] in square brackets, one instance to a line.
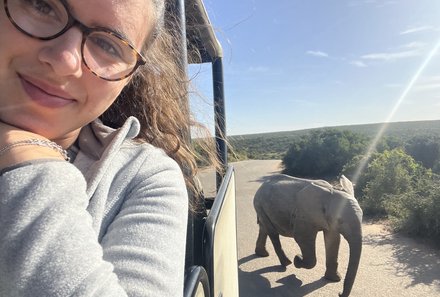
[405, 92]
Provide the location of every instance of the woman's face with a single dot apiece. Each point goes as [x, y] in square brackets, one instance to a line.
[44, 86]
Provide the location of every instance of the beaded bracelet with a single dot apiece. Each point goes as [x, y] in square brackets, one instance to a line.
[38, 142]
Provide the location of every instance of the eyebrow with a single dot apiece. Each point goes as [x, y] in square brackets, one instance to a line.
[118, 32]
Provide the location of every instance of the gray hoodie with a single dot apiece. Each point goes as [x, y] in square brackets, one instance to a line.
[112, 223]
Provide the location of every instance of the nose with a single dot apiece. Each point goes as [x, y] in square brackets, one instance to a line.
[63, 54]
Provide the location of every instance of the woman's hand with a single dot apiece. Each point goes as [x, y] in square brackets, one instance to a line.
[11, 155]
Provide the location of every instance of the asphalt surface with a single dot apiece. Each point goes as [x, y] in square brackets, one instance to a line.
[391, 264]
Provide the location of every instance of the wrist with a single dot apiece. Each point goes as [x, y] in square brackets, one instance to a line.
[30, 149]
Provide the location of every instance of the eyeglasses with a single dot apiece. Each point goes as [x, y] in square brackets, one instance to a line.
[105, 53]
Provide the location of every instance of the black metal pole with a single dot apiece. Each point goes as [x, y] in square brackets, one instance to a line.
[219, 116]
[178, 10]
[181, 19]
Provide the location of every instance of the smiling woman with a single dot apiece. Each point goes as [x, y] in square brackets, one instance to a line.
[93, 201]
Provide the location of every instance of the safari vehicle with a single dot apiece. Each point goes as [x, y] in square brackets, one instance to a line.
[211, 256]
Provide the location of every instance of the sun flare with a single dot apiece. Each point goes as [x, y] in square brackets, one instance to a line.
[396, 106]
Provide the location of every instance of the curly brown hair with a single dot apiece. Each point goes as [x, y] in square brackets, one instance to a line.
[157, 95]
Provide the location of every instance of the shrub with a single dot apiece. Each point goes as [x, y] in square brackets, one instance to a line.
[417, 212]
[322, 153]
[385, 175]
[424, 149]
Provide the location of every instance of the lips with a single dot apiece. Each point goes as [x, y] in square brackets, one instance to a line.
[44, 94]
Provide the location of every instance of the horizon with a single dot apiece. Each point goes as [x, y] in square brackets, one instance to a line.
[338, 126]
[295, 65]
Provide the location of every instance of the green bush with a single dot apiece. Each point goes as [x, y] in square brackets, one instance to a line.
[417, 212]
[424, 149]
[355, 171]
[322, 153]
[386, 174]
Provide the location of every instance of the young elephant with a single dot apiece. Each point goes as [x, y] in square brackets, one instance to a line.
[299, 208]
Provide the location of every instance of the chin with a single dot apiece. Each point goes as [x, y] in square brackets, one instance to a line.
[43, 128]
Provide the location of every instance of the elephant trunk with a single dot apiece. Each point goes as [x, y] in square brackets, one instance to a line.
[355, 245]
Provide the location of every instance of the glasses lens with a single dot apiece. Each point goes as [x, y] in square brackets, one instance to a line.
[108, 56]
[39, 18]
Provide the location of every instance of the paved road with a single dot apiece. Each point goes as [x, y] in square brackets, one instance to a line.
[391, 265]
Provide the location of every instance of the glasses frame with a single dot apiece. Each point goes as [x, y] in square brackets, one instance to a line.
[86, 31]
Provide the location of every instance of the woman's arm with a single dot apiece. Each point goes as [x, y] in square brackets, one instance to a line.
[146, 241]
[18, 146]
[49, 247]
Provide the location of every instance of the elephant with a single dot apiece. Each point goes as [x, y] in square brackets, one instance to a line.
[299, 208]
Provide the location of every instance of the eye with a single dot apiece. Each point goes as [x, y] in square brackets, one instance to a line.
[44, 10]
[43, 7]
[40, 6]
[107, 45]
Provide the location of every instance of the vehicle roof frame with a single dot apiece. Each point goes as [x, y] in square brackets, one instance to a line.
[202, 46]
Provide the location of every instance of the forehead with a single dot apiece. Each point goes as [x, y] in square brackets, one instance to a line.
[133, 18]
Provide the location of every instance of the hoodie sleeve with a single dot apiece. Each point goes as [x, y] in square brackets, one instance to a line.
[147, 239]
[48, 246]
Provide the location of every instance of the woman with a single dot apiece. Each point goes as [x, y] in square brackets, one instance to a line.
[92, 200]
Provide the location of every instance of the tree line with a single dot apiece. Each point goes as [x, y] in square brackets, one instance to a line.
[270, 146]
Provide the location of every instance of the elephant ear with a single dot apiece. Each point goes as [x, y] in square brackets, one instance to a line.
[347, 185]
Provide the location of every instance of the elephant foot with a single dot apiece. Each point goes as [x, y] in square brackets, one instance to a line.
[300, 263]
[333, 277]
[261, 252]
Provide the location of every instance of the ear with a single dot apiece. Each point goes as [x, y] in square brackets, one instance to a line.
[347, 185]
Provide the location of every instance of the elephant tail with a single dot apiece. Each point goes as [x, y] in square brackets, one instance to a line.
[355, 245]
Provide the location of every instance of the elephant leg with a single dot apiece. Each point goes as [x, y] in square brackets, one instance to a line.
[275, 238]
[260, 247]
[306, 239]
[332, 240]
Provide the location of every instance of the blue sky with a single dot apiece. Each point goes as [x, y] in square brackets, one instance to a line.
[297, 64]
